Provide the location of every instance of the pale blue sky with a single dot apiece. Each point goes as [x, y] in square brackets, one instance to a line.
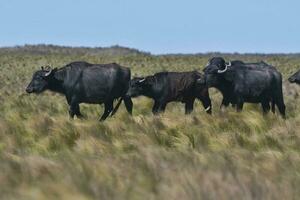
[156, 26]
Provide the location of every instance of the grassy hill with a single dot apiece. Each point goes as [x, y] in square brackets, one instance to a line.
[229, 155]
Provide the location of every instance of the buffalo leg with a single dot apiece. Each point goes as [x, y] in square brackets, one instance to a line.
[115, 109]
[128, 104]
[71, 112]
[265, 106]
[74, 110]
[158, 107]
[281, 106]
[71, 107]
[278, 99]
[273, 106]
[281, 109]
[108, 107]
[155, 107]
[162, 107]
[224, 104]
[77, 111]
[189, 106]
[239, 104]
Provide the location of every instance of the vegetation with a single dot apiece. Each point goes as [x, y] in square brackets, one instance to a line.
[229, 155]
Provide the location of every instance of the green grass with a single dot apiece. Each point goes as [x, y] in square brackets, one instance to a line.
[45, 155]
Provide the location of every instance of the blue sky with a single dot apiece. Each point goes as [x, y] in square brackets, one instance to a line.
[156, 26]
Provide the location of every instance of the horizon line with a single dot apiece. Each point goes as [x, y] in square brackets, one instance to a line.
[144, 51]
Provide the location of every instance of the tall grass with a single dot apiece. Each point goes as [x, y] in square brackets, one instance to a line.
[229, 155]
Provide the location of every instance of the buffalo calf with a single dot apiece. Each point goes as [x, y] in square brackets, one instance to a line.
[165, 87]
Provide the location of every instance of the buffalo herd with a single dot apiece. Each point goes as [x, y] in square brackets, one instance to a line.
[238, 82]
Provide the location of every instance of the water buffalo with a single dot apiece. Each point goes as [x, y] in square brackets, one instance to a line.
[295, 78]
[82, 82]
[228, 96]
[165, 87]
[241, 82]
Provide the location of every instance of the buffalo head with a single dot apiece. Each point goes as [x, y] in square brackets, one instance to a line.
[295, 78]
[215, 68]
[216, 65]
[40, 80]
[140, 86]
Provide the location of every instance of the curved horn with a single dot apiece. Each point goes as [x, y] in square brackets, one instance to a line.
[222, 71]
[207, 109]
[142, 80]
[229, 64]
[49, 72]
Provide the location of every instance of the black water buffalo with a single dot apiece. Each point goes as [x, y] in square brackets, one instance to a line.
[241, 82]
[165, 87]
[295, 78]
[228, 96]
[82, 82]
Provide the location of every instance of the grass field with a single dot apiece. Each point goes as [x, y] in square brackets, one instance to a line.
[229, 155]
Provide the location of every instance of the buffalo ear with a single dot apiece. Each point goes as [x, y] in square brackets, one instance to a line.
[59, 74]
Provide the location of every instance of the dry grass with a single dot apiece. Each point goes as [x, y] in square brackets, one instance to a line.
[229, 155]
